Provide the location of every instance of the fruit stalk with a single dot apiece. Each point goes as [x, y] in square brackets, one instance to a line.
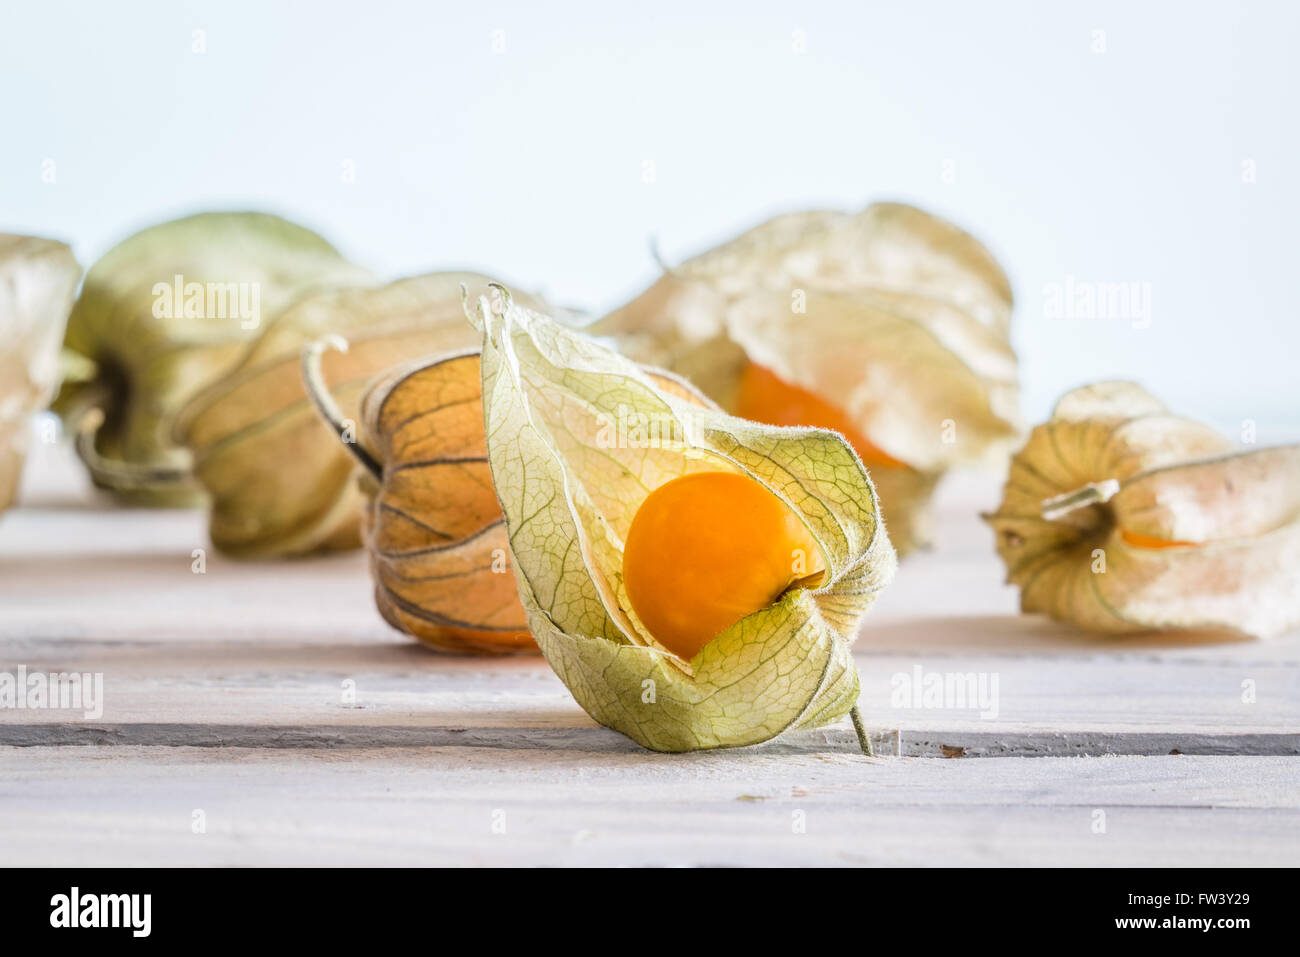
[864, 741]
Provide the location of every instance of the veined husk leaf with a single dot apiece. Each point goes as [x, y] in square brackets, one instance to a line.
[1121, 517]
[280, 482]
[897, 319]
[151, 350]
[38, 278]
[570, 483]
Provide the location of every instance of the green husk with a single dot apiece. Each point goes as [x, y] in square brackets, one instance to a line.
[148, 351]
[569, 496]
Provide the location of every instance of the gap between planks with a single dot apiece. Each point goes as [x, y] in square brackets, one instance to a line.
[896, 743]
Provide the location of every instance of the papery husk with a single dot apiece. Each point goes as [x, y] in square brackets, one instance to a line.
[432, 525]
[146, 367]
[281, 484]
[38, 278]
[569, 497]
[904, 327]
[1121, 517]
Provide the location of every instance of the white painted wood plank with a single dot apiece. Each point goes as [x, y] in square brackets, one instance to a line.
[400, 685]
[88, 806]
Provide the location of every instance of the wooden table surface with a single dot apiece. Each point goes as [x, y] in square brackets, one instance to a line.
[263, 713]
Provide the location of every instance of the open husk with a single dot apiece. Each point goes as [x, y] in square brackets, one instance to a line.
[890, 326]
[570, 479]
[1121, 517]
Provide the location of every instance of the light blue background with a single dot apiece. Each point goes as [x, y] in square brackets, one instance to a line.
[1114, 166]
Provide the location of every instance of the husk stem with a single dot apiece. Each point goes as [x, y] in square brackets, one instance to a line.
[314, 383]
[1094, 493]
[87, 418]
[653, 243]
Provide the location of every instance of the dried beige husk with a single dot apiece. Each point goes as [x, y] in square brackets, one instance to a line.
[38, 278]
[1122, 517]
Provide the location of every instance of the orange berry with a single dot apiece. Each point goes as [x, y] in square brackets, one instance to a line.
[708, 549]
